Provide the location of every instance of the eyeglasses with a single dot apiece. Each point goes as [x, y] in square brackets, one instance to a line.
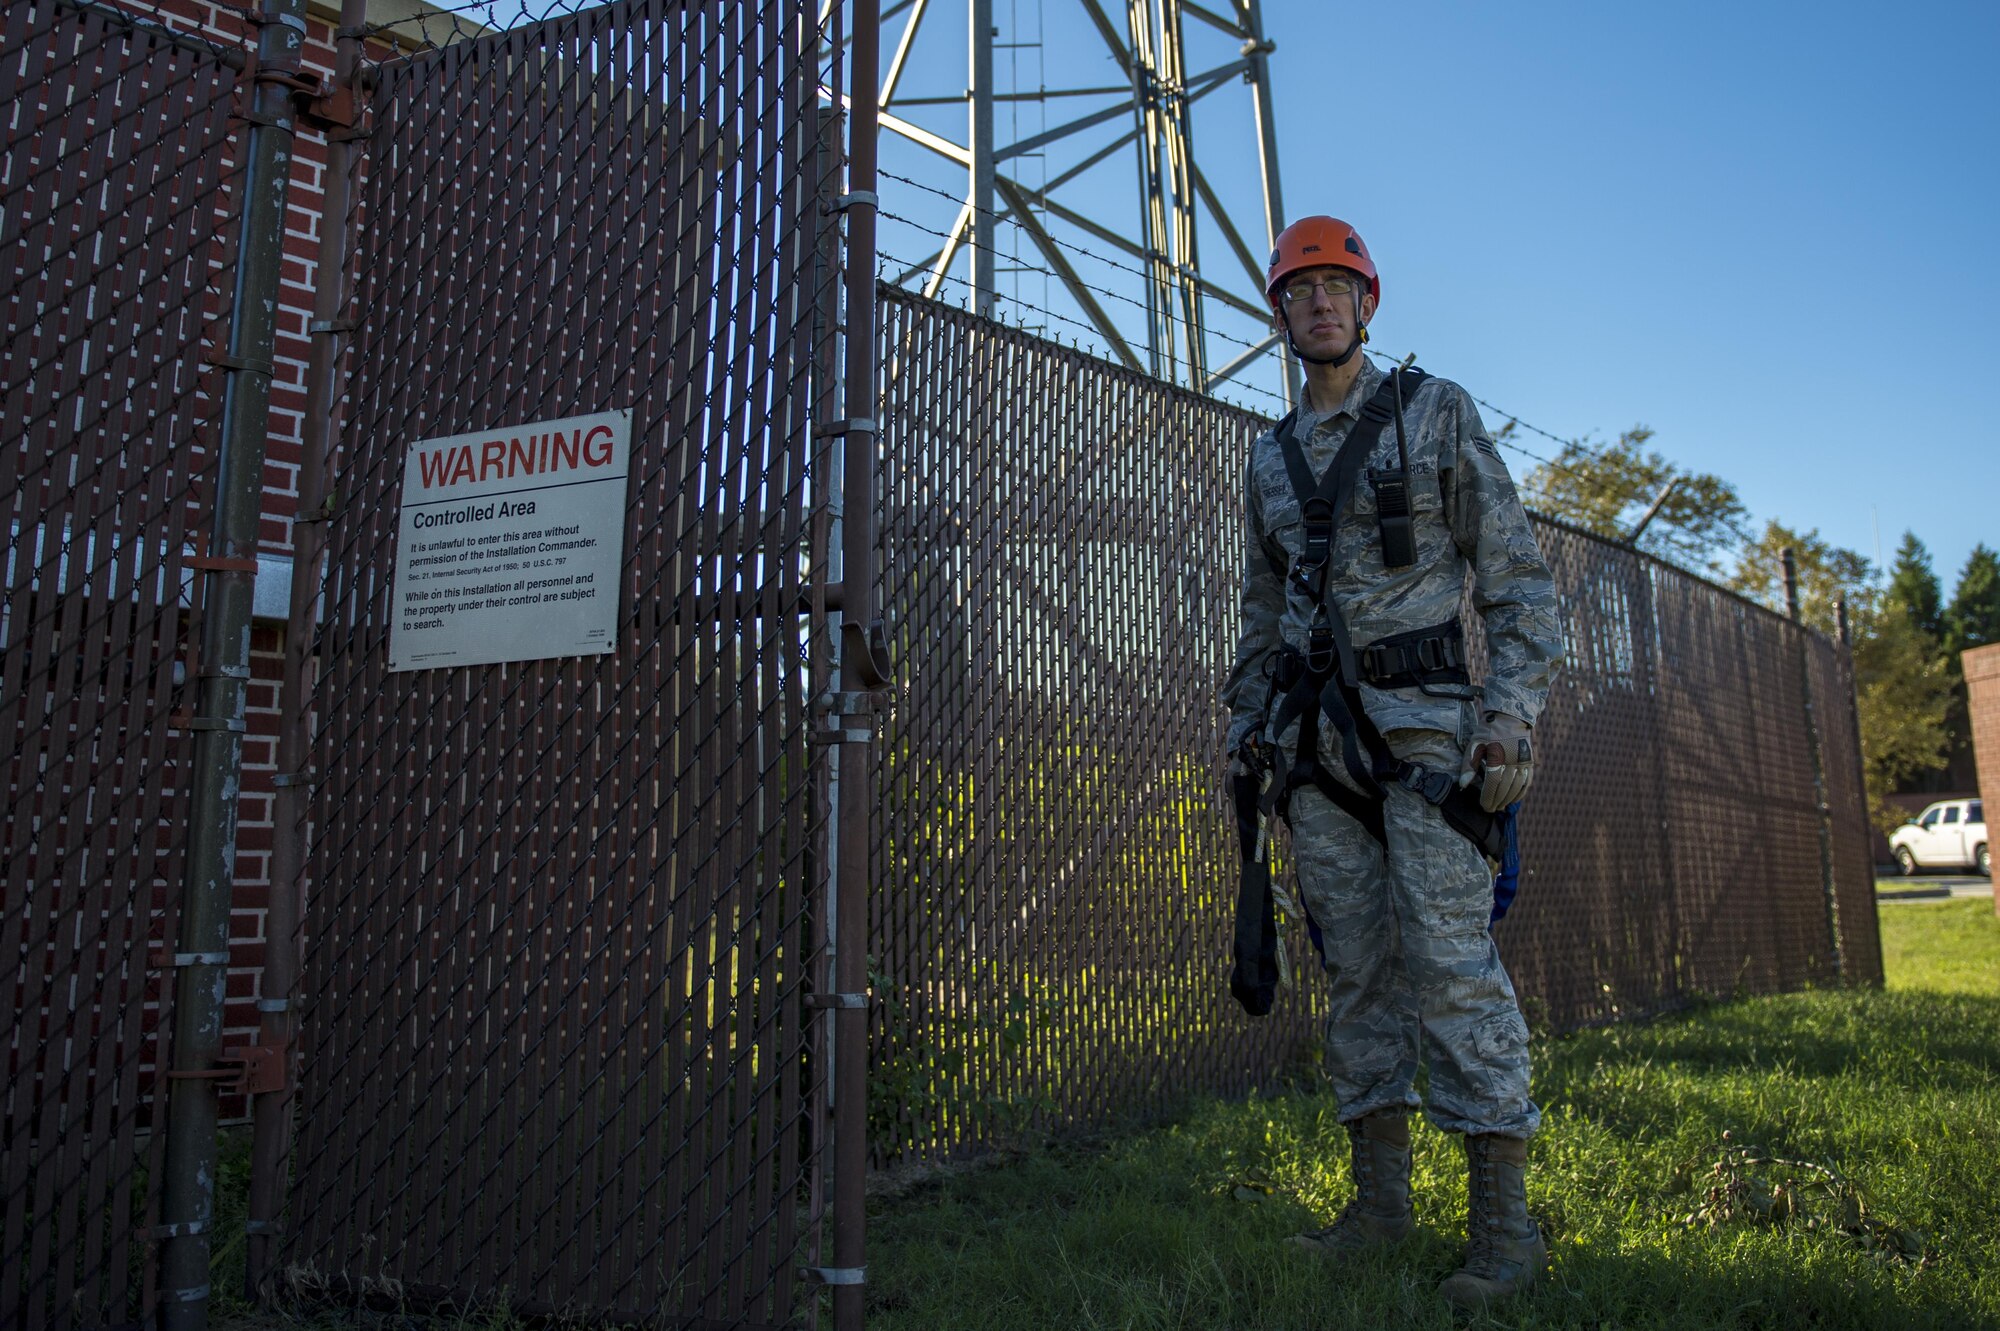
[1340, 284]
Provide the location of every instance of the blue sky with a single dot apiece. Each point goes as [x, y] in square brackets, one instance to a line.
[1767, 231]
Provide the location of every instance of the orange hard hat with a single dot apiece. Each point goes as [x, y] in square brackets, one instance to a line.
[1315, 242]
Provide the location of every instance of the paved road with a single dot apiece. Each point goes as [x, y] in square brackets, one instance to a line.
[1929, 887]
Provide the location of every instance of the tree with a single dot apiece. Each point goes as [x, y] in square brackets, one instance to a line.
[1973, 620]
[1608, 490]
[1902, 689]
[1827, 573]
[1913, 584]
[1904, 692]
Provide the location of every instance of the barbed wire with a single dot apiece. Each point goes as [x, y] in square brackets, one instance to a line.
[1096, 290]
[203, 25]
[1578, 442]
[1687, 548]
[885, 257]
[499, 16]
[1008, 216]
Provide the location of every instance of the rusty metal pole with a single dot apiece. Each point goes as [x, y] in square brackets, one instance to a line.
[201, 953]
[271, 1114]
[860, 671]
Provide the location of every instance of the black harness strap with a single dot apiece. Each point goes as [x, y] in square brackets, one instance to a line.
[1392, 494]
[1320, 498]
[1325, 678]
[1254, 978]
[1302, 704]
[1419, 659]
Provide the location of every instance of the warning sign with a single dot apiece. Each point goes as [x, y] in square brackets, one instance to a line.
[510, 543]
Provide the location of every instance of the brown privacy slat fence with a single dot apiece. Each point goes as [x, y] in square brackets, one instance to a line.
[1673, 841]
[1061, 541]
[562, 917]
[1851, 856]
[115, 161]
[1059, 546]
[567, 1009]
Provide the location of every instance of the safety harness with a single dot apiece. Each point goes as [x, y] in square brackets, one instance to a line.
[1324, 679]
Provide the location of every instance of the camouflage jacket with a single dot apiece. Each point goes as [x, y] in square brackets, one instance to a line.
[1465, 513]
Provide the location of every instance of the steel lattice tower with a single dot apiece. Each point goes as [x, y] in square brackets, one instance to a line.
[1119, 255]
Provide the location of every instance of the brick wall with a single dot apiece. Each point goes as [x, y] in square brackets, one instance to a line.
[1982, 687]
[250, 906]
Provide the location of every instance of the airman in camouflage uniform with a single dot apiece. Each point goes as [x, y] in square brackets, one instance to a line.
[1404, 925]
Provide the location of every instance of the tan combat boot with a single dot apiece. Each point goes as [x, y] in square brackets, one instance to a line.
[1505, 1252]
[1380, 1212]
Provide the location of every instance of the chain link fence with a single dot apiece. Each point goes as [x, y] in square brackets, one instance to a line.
[557, 1025]
[1060, 543]
[116, 177]
[1061, 547]
[562, 921]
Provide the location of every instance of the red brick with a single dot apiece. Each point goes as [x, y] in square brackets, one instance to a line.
[1982, 688]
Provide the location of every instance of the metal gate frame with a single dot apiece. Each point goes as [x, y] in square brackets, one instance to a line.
[777, 978]
[358, 1062]
[134, 504]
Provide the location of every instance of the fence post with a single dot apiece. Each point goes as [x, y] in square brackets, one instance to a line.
[1663, 796]
[1818, 753]
[229, 568]
[824, 607]
[278, 1019]
[858, 673]
[1860, 755]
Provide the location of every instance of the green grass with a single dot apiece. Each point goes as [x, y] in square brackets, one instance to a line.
[1825, 1160]
[1672, 1154]
[1944, 946]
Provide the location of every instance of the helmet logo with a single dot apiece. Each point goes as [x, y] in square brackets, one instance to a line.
[1310, 249]
[1353, 246]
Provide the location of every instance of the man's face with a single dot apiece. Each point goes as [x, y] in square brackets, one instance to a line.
[1321, 316]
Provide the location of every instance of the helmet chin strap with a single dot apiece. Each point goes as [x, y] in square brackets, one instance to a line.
[1336, 361]
[1360, 339]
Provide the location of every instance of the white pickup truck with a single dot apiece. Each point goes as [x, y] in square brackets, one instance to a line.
[1950, 834]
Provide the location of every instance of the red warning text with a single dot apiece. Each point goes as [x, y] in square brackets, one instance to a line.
[542, 454]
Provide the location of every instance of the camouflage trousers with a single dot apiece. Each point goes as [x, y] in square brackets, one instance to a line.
[1414, 971]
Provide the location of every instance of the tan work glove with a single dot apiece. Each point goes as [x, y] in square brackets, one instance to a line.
[1501, 757]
